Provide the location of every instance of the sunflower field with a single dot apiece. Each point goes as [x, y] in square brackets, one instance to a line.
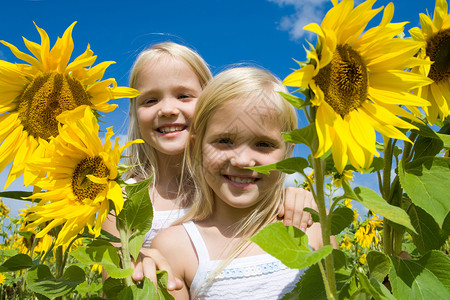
[377, 100]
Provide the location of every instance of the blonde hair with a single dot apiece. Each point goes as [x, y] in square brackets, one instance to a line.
[142, 157]
[229, 85]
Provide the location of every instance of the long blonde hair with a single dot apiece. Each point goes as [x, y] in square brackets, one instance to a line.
[142, 157]
[228, 85]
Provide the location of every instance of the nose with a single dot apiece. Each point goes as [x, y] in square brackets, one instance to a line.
[242, 156]
[168, 108]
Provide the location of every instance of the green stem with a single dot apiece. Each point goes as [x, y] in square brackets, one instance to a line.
[59, 262]
[329, 280]
[388, 152]
[125, 252]
[387, 245]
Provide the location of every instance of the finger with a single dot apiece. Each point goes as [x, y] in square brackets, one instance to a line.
[281, 210]
[307, 201]
[289, 206]
[149, 269]
[138, 273]
[162, 264]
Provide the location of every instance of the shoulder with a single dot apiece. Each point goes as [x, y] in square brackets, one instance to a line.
[173, 235]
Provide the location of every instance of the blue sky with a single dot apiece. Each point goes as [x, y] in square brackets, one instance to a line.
[263, 33]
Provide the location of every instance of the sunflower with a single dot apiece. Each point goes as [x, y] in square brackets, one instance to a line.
[81, 178]
[435, 40]
[358, 80]
[34, 94]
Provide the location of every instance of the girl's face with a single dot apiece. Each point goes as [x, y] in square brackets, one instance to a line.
[241, 134]
[169, 91]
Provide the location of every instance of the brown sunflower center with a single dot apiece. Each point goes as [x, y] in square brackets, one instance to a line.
[438, 49]
[82, 186]
[344, 80]
[45, 98]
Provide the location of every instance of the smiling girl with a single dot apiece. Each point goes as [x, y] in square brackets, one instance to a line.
[237, 124]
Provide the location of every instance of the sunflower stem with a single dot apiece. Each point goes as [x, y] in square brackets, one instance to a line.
[59, 262]
[125, 252]
[329, 279]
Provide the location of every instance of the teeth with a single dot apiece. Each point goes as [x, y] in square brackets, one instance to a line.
[241, 180]
[170, 129]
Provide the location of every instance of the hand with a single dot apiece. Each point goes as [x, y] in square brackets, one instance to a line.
[296, 199]
[150, 260]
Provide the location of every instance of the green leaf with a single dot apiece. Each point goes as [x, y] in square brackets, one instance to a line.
[378, 205]
[314, 214]
[16, 263]
[311, 287]
[341, 217]
[40, 280]
[146, 291]
[85, 289]
[104, 254]
[445, 139]
[295, 101]
[162, 278]
[112, 287]
[426, 182]
[290, 245]
[8, 253]
[290, 165]
[104, 235]
[379, 265]
[427, 146]
[426, 278]
[429, 235]
[137, 214]
[305, 135]
[377, 165]
[18, 195]
[374, 288]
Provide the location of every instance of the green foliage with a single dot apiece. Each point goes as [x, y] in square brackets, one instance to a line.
[379, 265]
[290, 245]
[290, 165]
[16, 263]
[104, 254]
[429, 235]
[305, 135]
[137, 214]
[297, 102]
[378, 205]
[424, 180]
[425, 278]
[341, 218]
[41, 280]
[310, 285]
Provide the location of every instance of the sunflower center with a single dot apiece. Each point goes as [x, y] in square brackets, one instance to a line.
[438, 49]
[344, 80]
[82, 186]
[46, 97]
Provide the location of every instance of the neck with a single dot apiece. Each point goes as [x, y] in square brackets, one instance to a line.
[169, 178]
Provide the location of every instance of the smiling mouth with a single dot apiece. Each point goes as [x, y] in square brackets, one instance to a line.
[170, 129]
[242, 180]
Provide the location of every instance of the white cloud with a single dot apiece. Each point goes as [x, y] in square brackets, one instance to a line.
[306, 12]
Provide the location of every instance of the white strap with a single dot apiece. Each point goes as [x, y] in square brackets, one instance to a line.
[197, 240]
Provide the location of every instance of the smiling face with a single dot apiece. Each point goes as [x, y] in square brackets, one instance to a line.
[169, 91]
[235, 139]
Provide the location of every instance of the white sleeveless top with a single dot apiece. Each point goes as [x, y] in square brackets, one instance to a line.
[253, 277]
[161, 220]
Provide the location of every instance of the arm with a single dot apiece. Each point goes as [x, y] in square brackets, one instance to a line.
[292, 211]
[174, 243]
